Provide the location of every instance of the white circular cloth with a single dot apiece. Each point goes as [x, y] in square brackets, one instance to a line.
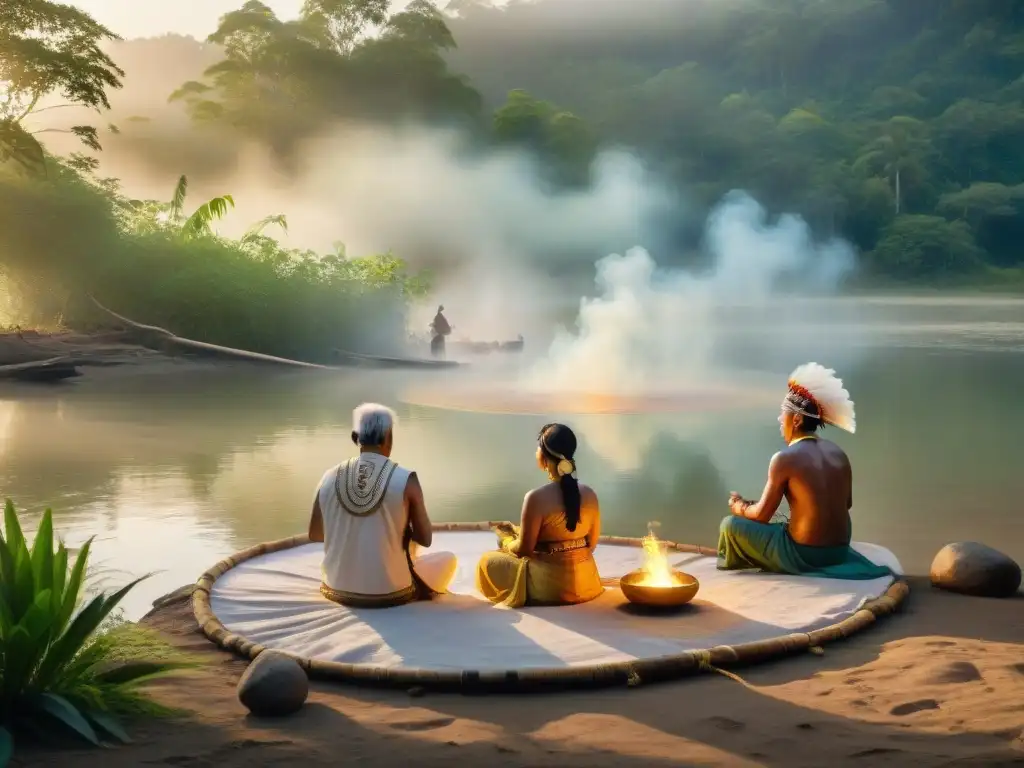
[274, 600]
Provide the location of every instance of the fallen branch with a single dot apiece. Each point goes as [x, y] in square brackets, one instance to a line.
[154, 337]
[378, 361]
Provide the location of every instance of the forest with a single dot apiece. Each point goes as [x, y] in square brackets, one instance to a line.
[897, 124]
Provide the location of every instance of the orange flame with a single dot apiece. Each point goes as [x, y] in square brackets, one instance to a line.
[657, 571]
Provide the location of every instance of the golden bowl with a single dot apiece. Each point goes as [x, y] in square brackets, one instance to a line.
[682, 592]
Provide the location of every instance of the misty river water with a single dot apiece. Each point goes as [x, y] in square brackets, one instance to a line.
[171, 472]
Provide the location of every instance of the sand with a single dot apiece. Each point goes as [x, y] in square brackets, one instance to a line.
[939, 684]
[98, 356]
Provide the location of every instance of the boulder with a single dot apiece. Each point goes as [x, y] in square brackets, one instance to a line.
[274, 685]
[975, 569]
[180, 595]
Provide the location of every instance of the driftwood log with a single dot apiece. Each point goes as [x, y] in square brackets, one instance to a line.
[161, 339]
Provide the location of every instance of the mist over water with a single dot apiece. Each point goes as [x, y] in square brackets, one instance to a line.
[651, 329]
[508, 255]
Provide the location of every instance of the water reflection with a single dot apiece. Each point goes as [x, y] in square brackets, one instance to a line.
[172, 472]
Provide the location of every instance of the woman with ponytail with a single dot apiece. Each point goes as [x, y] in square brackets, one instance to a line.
[549, 558]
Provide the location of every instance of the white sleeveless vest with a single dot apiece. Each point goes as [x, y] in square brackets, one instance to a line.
[365, 520]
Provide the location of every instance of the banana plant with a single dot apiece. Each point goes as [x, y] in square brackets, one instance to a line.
[256, 230]
[200, 223]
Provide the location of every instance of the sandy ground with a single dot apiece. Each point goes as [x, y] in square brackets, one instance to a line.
[97, 355]
[939, 684]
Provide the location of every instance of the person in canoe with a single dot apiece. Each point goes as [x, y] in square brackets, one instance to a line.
[371, 516]
[439, 329]
[815, 476]
[549, 558]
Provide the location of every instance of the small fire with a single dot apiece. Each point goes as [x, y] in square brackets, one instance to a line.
[657, 571]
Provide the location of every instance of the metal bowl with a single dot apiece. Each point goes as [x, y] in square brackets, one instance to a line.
[682, 592]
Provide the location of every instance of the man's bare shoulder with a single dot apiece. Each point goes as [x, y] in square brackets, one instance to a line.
[832, 448]
[795, 452]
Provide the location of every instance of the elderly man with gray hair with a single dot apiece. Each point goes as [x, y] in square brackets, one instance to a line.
[370, 514]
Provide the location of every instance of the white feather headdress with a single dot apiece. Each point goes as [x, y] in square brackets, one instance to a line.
[821, 386]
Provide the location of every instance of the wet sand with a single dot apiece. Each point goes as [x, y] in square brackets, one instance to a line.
[939, 684]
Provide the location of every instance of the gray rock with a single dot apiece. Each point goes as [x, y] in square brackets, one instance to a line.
[975, 569]
[180, 595]
[274, 685]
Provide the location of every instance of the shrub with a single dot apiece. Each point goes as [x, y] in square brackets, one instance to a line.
[58, 669]
[70, 235]
[914, 247]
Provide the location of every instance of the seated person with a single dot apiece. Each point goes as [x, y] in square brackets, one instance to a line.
[549, 558]
[370, 514]
[815, 477]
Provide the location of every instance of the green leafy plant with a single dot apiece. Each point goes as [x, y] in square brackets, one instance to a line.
[58, 667]
[200, 223]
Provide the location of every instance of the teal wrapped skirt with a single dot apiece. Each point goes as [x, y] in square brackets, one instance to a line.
[745, 544]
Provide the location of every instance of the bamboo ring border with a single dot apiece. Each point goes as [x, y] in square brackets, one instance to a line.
[630, 673]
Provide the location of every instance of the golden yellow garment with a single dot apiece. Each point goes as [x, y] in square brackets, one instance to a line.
[557, 573]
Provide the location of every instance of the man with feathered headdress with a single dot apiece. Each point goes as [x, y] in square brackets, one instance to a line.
[815, 477]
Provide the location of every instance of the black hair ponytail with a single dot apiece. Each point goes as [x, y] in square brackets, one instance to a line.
[570, 500]
[558, 444]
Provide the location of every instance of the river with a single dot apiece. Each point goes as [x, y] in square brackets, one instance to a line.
[172, 471]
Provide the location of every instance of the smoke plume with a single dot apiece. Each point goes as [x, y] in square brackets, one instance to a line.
[649, 328]
[508, 254]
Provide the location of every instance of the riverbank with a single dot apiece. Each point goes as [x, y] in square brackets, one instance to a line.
[92, 353]
[40, 357]
[939, 684]
[991, 281]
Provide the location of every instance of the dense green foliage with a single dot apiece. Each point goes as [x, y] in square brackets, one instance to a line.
[281, 80]
[65, 233]
[57, 669]
[73, 234]
[49, 48]
[855, 113]
[895, 123]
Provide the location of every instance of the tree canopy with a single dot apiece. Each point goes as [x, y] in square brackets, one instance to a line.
[282, 80]
[894, 123]
[49, 48]
[850, 112]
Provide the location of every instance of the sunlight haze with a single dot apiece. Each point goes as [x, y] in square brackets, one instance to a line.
[132, 18]
[198, 18]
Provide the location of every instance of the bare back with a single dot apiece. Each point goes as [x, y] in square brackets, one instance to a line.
[819, 489]
[544, 513]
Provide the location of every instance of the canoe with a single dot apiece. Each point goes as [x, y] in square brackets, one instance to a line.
[486, 347]
[344, 357]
